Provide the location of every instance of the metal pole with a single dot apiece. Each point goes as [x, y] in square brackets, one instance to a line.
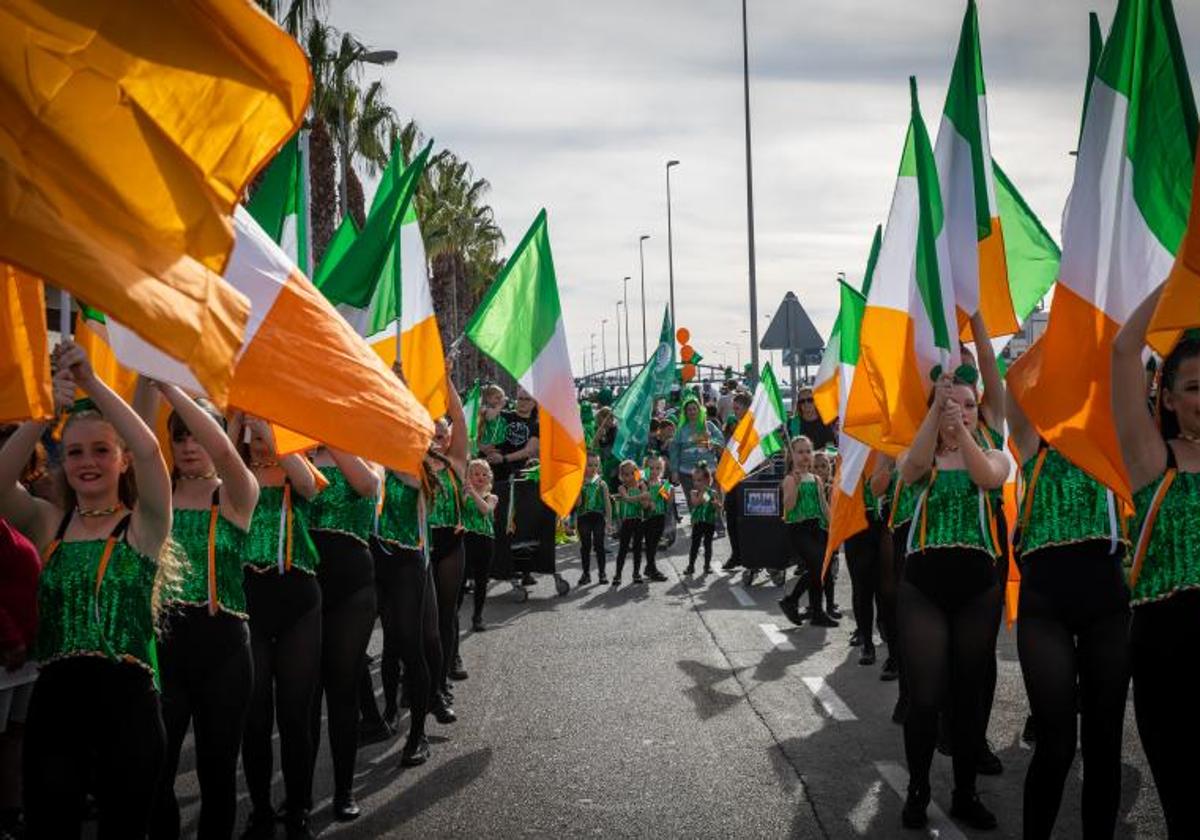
[344, 144]
[750, 201]
[670, 252]
[627, 279]
[642, 262]
[618, 342]
[603, 348]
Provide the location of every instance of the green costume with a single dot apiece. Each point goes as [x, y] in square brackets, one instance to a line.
[661, 492]
[807, 506]
[952, 512]
[1063, 505]
[399, 521]
[475, 521]
[447, 501]
[263, 548]
[706, 511]
[1172, 546]
[630, 509]
[592, 496]
[189, 530]
[340, 508]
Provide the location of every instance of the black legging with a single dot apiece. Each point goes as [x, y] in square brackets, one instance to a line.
[477, 549]
[591, 538]
[449, 566]
[630, 538]
[862, 558]
[285, 637]
[702, 535]
[1074, 625]
[207, 674]
[408, 613]
[652, 531]
[808, 540]
[1164, 705]
[348, 610]
[93, 725]
[993, 673]
[947, 604]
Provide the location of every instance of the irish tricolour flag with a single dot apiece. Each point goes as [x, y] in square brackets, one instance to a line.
[755, 439]
[280, 204]
[519, 324]
[974, 234]
[908, 324]
[1124, 223]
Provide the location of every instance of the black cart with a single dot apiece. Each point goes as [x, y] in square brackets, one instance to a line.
[761, 530]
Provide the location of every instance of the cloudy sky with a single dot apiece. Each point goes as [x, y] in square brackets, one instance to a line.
[576, 107]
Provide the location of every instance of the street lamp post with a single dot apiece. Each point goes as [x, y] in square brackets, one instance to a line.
[642, 262]
[626, 282]
[670, 254]
[749, 197]
[593, 354]
[619, 342]
[379, 57]
[603, 350]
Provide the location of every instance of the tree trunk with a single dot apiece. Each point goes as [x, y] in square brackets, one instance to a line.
[322, 172]
[356, 199]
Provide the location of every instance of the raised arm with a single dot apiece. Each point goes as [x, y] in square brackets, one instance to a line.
[916, 462]
[790, 488]
[1020, 431]
[296, 467]
[1141, 442]
[989, 371]
[33, 517]
[881, 477]
[363, 476]
[458, 450]
[987, 468]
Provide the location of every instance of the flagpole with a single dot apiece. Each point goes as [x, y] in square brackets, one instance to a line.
[306, 199]
[750, 198]
[64, 313]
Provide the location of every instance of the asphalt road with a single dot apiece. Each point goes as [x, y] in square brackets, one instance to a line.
[688, 708]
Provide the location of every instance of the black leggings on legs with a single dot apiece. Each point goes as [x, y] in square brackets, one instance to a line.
[630, 537]
[477, 549]
[348, 610]
[207, 674]
[285, 638]
[947, 604]
[702, 534]
[1074, 625]
[591, 538]
[808, 540]
[862, 557]
[1165, 707]
[652, 531]
[448, 565]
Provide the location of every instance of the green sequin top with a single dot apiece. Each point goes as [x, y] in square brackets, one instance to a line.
[340, 508]
[591, 497]
[399, 522]
[953, 514]
[904, 501]
[474, 521]
[660, 492]
[706, 511]
[1172, 561]
[493, 432]
[869, 499]
[807, 506]
[75, 621]
[629, 509]
[262, 544]
[447, 502]
[189, 530]
[1068, 505]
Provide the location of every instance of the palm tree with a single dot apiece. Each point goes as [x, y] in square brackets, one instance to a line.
[292, 15]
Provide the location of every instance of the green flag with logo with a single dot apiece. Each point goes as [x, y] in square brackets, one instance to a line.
[634, 407]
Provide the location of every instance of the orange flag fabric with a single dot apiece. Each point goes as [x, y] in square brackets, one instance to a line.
[1179, 307]
[25, 392]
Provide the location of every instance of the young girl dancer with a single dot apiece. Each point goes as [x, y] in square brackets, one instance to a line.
[950, 593]
[661, 493]
[704, 499]
[631, 502]
[1163, 465]
[479, 506]
[94, 722]
[806, 513]
[204, 655]
[593, 512]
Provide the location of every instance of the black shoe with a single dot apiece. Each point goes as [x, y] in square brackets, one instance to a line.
[968, 808]
[832, 611]
[584, 579]
[616, 581]
[345, 809]
[707, 570]
[468, 586]
[477, 625]
[638, 579]
[731, 564]
[823, 619]
[868, 654]
[443, 712]
[987, 763]
[913, 815]
[391, 715]
[528, 580]
[945, 745]
[900, 710]
[791, 611]
[296, 826]
[656, 576]
[374, 733]
[690, 570]
[1029, 733]
[603, 579]
[457, 671]
[261, 825]
[415, 753]
[855, 639]
[891, 670]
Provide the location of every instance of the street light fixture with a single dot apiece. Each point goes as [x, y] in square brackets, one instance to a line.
[377, 57]
[619, 342]
[603, 349]
[626, 282]
[670, 254]
[642, 262]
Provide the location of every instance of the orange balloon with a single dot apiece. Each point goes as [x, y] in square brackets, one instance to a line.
[682, 335]
[688, 373]
[687, 352]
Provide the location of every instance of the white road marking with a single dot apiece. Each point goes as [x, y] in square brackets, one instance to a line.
[939, 825]
[774, 635]
[834, 706]
[743, 597]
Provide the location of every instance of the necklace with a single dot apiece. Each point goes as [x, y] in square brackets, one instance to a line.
[208, 476]
[90, 512]
[262, 465]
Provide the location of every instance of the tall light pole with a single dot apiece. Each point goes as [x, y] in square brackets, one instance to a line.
[593, 354]
[750, 199]
[619, 341]
[379, 57]
[603, 349]
[670, 254]
[642, 262]
[626, 282]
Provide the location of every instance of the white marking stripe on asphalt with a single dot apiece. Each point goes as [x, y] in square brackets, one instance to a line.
[774, 635]
[834, 706]
[743, 597]
[939, 826]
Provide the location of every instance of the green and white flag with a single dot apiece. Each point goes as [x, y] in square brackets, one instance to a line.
[519, 324]
[1030, 251]
[279, 205]
[471, 405]
[636, 404]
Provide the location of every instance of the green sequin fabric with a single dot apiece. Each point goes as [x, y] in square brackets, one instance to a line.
[660, 492]
[807, 506]
[398, 521]
[474, 520]
[1069, 506]
[73, 621]
[262, 545]
[1172, 559]
[905, 500]
[952, 515]
[189, 530]
[447, 504]
[493, 432]
[593, 496]
[340, 508]
[870, 502]
[706, 511]
[630, 510]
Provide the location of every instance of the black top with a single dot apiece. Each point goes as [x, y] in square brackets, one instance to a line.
[520, 430]
[820, 434]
